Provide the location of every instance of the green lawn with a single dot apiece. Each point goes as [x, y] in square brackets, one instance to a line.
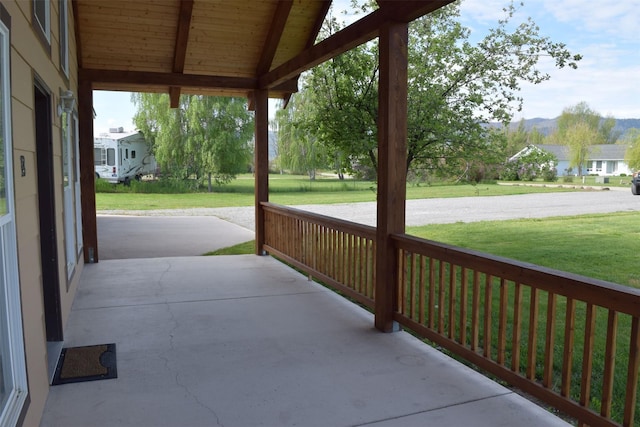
[602, 246]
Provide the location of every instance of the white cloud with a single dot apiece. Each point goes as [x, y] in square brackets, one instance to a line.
[619, 19]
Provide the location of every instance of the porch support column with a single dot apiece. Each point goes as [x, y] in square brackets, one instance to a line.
[87, 171]
[261, 161]
[392, 158]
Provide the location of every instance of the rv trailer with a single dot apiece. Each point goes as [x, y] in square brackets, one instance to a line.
[122, 156]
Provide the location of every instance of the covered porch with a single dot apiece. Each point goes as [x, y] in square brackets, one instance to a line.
[246, 340]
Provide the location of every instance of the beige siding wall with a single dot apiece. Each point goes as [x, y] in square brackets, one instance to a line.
[28, 59]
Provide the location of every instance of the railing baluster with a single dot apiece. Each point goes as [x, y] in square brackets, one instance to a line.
[609, 364]
[502, 323]
[441, 307]
[632, 372]
[475, 312]
[517, 327]
[422, 286]
[402, 285]
[452, 300]
[567, 360]
[532, 344]
[414, 262]
[587, 355]
[463, 306]
[488, 299]
[547, 379]
[432, 292]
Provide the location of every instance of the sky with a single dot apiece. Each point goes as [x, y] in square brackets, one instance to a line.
[606, 34]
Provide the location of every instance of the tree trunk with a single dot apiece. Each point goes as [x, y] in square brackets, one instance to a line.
[209, 180]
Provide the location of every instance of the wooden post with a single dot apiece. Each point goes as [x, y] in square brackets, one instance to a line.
[261, 171]
[392, 158]
[87, 171]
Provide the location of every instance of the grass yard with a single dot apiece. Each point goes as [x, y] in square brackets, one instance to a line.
[290, 190]
[602, 246]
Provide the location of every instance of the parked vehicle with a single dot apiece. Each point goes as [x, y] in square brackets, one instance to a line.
[635, 183]
[122, 156]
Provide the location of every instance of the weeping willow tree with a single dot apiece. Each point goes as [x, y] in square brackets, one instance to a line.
[204, 137]
[299, 150]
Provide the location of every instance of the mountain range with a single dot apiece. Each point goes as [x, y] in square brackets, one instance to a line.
[547, 126]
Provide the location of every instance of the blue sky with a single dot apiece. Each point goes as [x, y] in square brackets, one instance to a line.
[605, 33]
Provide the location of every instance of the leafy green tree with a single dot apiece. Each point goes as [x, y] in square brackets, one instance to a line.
[582, 113]
[632, 155]
[454, 87]
[341, 105]
[204, 136]
[298, 150]
[579, 138]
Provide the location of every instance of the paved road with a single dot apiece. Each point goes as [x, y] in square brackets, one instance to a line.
[432, 211]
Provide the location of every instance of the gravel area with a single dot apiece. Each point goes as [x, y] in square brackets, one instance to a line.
[441, 211]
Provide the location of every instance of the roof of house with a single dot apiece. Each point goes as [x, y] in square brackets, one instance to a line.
[224, 47]
[596, 152]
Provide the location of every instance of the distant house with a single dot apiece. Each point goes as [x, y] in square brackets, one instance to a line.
[603, 160]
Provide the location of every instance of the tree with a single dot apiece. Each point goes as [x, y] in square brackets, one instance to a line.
[579, 138]
[298, 149]
[582, 113]
[203, 136]
[632, 155]
[341, 106]
[454, 87]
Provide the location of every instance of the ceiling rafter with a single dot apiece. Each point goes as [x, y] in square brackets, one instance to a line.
[317, 26]
[278, 23]
[180, 51]
[346, 39]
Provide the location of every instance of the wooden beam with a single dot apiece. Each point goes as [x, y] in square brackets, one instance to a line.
[180, 50]
[346, 39]
[392, 157]
[167, 79]
[272, 41]
[87, 171]
[261, 167]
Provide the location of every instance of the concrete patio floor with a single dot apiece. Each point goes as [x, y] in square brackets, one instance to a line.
[247, 341]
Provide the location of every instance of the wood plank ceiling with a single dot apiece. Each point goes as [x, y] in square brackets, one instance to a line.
[215, 47]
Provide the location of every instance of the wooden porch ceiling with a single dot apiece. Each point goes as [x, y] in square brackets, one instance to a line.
[215, 47]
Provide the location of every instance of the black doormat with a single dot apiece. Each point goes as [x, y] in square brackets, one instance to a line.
[90, 363]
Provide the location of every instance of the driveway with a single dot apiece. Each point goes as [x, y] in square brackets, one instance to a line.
[189, 232]
[448, 210]
[126, 237]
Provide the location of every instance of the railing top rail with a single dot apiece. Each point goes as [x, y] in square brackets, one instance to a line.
[339, 224]
[594, 291]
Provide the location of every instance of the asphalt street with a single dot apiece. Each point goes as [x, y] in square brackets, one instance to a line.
[192, 232]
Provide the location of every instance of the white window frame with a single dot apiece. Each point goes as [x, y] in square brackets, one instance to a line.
[64, 37]
[10, 413]
[46, 25]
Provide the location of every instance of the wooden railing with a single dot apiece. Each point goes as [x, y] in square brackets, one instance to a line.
[338, 253]
[570, 341]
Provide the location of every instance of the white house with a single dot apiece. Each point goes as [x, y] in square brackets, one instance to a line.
[603, 160]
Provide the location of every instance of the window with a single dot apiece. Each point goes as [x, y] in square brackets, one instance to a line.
[64, 37]
[111, 156]
[41, 16]
[599, 166]
[13, 377]
[99, 156]
[133, 154]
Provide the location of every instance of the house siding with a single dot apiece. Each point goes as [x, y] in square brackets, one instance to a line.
[29, 58]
